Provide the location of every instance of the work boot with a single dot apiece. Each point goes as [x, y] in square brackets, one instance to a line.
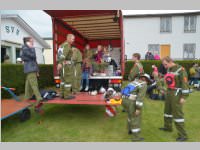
[181, 139]
[129, 132]
[69, 97]
[165, 129]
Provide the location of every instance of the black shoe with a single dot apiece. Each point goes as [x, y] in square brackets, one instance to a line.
[138, 139]
[69, 97]
[165, 129]
[181, 139]
[123, 110]
[129, 132]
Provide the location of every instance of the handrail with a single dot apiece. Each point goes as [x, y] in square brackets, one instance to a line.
[10, 90]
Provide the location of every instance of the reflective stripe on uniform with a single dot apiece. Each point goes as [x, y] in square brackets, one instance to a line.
[135, 83]
[179, 120]
[62, 83]
[139, 103]
[109, 113]
[75, 72]
[132, 97]
[135, 130]
[167, 115]
[185, 91]
[45, 95]
[177, 91]
[129, 120]
[67, 85]
[176, 72]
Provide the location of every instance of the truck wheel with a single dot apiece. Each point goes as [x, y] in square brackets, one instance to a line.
[25, 115]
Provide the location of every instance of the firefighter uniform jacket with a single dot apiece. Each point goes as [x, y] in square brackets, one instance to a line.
[64, 52]
[136, 71]
[181, 80]
[140, 88]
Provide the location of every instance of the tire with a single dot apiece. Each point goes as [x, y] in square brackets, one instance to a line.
[25, 115]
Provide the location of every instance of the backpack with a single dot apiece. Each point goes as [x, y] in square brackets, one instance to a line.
[170, 78]
[46, 94]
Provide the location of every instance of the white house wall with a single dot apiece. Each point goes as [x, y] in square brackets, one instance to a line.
[12, 36]
[139, 32]
[48, 53]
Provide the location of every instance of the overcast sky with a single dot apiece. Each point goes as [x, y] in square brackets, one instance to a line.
[41, 22]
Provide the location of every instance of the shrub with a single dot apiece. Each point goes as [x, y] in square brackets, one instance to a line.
[12, 75]
[147, 64]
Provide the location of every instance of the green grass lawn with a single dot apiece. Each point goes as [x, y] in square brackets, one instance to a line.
[81, 123]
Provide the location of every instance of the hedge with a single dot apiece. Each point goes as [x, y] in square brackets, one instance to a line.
[12, 75]
[147, 64]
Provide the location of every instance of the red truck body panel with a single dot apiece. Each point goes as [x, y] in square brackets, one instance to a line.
[82, 24]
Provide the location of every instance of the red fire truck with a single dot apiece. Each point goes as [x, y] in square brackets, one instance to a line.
[93, 27]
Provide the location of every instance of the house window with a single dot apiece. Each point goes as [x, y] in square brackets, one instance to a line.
[154, 48]
[190, 24]
[165, 24]
[18, 53]
[189, 51]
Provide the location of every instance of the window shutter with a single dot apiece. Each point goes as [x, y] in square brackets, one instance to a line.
[162, 24]
[193, 23]
[186, 23]
[168, 24]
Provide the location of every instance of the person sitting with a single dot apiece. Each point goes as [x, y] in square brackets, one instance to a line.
[194, 74]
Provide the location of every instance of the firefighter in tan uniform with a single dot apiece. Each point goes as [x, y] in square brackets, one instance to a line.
[177, 90]
[137, 69]
[133, 96]
[65, 67]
